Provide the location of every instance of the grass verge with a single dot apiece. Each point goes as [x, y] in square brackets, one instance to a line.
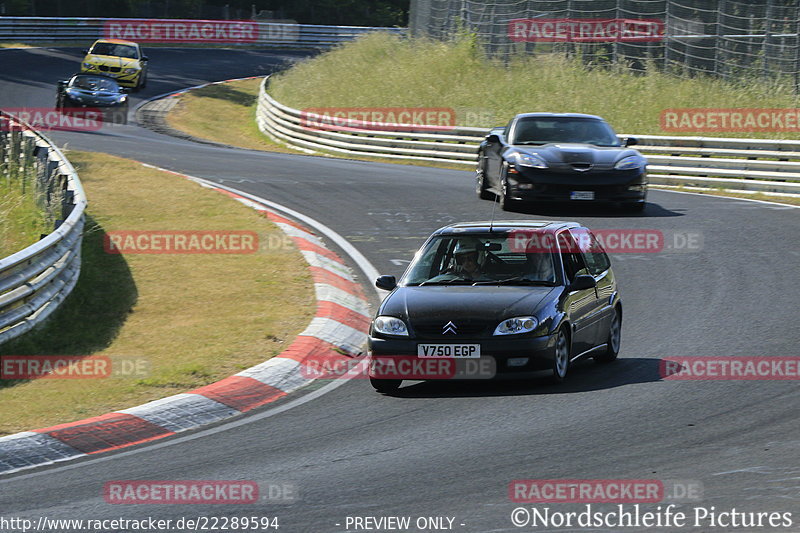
[382, 70]
[191, 318]
[198, 113]
[22, 222]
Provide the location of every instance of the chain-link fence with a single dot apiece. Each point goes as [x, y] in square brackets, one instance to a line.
[726, 38]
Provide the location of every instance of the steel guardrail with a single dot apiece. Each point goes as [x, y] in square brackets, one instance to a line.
[35, 280]
[759, 165]
[283, 34]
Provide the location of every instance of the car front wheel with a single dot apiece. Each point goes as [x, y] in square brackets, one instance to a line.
[505, 201]
[480, 180]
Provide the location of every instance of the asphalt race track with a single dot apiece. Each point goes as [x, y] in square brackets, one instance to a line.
[451, 450]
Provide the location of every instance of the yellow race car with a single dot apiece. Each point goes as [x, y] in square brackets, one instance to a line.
[121, 60]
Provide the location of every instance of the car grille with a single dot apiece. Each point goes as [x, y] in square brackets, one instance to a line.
[434, 331]
[105, 68]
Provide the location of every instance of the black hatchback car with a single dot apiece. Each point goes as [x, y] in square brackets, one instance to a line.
[551, 157]
[90, 91]
[522, 297]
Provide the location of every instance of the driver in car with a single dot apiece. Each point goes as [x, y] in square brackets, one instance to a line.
[467, 261]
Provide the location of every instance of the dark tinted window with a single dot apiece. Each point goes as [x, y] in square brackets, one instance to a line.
[571, 256]
[596, 259]
[543, 130]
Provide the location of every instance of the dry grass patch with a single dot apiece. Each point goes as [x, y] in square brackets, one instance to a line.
[194, 318]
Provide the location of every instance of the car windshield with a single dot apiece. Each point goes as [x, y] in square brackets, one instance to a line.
[480, 259]
[93, 83]
[116, 50]
[544, 130]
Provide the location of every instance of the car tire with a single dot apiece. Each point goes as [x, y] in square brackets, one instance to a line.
[561, 357]
[385, 385]
[614, 339]
[121, 116]
[480, 180]
[505, 202]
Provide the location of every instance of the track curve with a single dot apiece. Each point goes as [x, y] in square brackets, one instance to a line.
[447, 449]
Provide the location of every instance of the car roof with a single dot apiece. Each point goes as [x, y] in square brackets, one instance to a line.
[116, 41]
[558, 115]
[503, 226]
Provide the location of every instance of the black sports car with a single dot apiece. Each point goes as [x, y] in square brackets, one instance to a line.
[83, 91]
[560, 157]
[521, 297]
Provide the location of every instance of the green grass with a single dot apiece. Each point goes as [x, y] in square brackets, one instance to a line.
[380, 70]
[22, 221]
[192, 318]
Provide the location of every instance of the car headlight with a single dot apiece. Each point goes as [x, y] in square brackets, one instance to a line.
[122, 98]
[130, 70]
[530, 160]
[390, 325]
[631, 162]
[518, 324]
[88, 66]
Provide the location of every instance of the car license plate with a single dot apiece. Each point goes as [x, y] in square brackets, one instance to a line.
[455, 351]
[581, 195]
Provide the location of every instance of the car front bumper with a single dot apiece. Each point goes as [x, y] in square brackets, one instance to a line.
[607, 186]
[499, 354]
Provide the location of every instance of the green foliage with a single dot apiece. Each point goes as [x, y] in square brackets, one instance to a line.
[22, 221]
[383, 70]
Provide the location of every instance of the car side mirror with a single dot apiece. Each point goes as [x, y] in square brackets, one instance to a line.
[124, 90]
[145, 58]
[582, 282]
[492, 138]
[85, 50]
[630, 141]
[62, 84]
[387, 283]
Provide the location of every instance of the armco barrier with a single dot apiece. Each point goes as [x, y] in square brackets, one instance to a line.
[282, 34]
[707, 162]
[34, 281]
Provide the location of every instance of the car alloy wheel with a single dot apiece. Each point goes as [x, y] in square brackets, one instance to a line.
[505, 201]
[561, 359]
[614, 339]
[480, 180]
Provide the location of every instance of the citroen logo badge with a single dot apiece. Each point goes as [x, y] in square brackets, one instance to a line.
[449, 328]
